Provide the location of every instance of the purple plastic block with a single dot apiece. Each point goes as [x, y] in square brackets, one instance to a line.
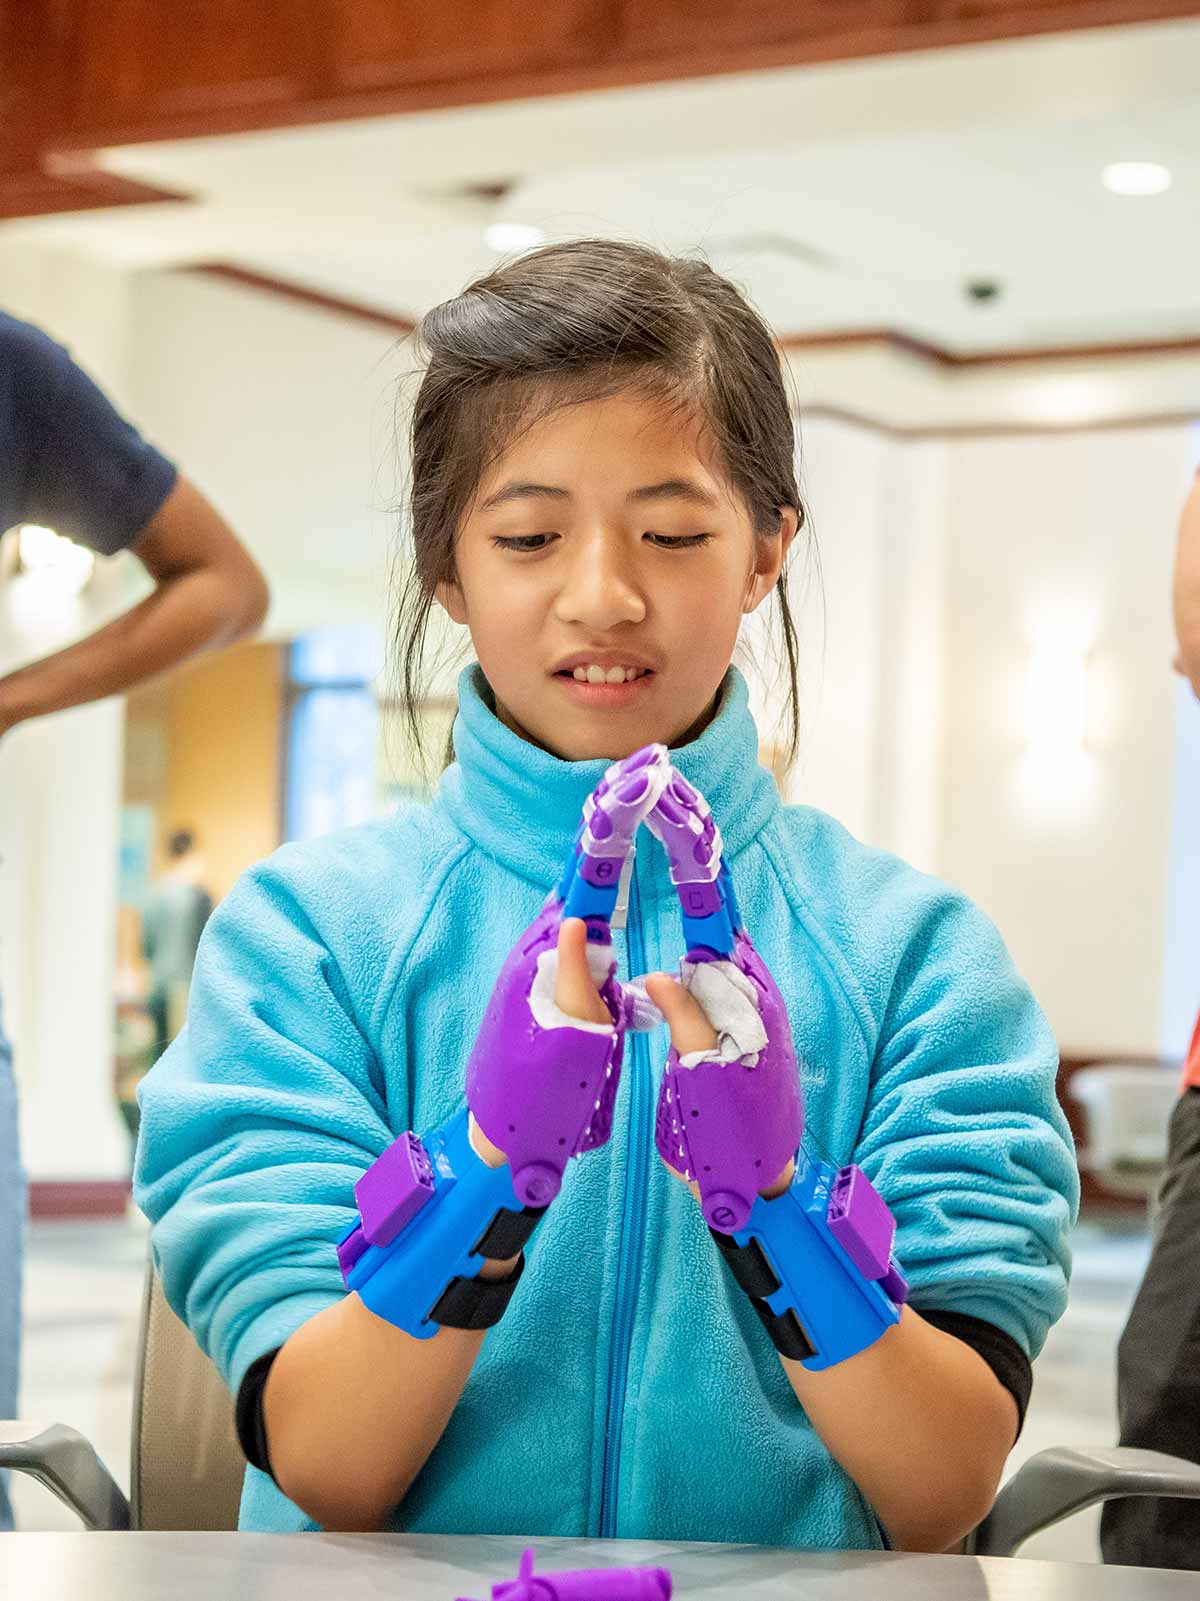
[894, 1283]
[584, 1584]
[394, 1189]
[350, 1248]
[861, 1223]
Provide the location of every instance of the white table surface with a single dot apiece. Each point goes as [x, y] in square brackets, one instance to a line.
[332, 1567]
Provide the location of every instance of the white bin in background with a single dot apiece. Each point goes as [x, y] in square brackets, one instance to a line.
[1127, 1110]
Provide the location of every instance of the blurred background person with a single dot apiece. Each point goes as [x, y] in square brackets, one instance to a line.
[173, 919]
[71, 462]
[1158, 1359]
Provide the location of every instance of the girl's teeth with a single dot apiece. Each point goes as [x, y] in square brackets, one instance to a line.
[598, 675]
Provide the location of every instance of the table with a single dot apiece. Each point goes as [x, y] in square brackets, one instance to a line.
[422, 1567]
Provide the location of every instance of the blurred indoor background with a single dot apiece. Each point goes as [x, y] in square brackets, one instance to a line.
[979, 252]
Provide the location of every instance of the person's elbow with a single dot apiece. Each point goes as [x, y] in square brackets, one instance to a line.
[941, 1518]
[249, 601]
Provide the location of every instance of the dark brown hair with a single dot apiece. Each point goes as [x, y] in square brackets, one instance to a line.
[566, 324]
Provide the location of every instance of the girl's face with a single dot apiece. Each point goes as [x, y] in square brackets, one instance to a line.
[603, 568]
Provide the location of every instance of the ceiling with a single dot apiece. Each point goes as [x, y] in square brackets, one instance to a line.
[847, 196]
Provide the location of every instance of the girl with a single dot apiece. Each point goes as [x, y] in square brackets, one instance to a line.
[603, 485]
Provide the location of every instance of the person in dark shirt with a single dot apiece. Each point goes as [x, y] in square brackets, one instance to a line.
[70, 461]
[1158, 1358]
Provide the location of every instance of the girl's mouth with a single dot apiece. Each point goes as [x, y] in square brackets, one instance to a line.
[609, 689]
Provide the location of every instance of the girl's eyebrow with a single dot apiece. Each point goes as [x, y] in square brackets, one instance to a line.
[669, 489]
[675, 489]
[525, 491]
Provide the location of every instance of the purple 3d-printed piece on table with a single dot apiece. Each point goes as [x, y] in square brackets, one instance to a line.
[584, 1584]
[860, 1222]
[544, 1094]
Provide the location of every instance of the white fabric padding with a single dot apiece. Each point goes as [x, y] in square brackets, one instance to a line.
[730, 1002]
[546, 1010]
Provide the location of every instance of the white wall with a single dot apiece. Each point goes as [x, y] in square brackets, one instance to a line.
[284, 415]
[1068, 537]
[869, 599]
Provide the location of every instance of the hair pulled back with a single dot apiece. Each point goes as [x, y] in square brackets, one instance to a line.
[570, 323]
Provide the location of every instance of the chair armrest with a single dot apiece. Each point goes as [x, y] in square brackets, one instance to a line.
[67, 1464]
[1055, 1483]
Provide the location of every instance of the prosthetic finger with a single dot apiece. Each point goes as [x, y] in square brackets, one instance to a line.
[541, 1084]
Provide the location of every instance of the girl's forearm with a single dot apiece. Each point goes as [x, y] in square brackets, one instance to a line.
[353, 1407]
[921, 1424]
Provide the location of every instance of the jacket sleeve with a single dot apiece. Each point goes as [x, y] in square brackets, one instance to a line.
[255, 1126]
[963, 1134]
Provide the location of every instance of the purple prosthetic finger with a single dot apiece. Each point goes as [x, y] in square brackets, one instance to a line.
[540, 1084]
[614, 811]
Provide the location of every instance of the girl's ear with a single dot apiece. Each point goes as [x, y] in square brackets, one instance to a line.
[769, 557]
[450, 598]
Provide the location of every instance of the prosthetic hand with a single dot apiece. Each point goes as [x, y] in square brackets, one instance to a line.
[816, 1259]
[540, 1089]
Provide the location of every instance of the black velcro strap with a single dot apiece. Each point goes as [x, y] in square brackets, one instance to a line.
[508, 1233]
[476, 1303]
[786, 1331]
[754, 1274]
[748, 1265]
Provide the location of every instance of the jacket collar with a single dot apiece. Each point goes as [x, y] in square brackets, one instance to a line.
[521, 806]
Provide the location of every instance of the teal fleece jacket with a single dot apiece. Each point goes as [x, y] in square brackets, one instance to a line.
[629, 1390]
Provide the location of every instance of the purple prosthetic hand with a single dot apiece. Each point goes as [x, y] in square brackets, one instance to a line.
[584, 1584]
[540, 1084]
[733, 1119]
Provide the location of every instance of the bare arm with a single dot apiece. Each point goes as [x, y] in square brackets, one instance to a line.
[918, 1420]
[1187, 590]
[921, 1424]
[352, 1405]
[208, 592]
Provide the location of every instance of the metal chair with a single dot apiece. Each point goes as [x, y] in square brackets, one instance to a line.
[187, 1465]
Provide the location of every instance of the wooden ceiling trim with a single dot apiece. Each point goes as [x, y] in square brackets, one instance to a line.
[860, 338]
[286, 289]
[120, 74]
[35, 192]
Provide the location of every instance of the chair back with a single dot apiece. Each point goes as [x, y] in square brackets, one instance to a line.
[186, 1465]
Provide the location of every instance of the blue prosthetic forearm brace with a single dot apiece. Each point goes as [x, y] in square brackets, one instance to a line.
[431, 1212]
[817, 1264]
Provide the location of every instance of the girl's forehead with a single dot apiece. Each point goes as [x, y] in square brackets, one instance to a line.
[627, 432]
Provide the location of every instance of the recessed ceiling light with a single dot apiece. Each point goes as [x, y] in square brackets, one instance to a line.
[505, 236]
[1136, 177]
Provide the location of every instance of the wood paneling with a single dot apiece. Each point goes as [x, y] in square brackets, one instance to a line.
[376, 44]
[79, 74]
[121, 70]
[152, 63]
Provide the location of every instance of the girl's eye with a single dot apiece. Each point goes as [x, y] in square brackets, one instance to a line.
[678, 541]
[519, 542]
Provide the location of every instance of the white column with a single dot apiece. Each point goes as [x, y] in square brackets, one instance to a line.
[61, 778]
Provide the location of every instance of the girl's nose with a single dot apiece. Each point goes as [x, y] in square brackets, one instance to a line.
[600, 591]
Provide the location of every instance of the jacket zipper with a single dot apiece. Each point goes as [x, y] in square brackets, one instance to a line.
[633, 1230]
